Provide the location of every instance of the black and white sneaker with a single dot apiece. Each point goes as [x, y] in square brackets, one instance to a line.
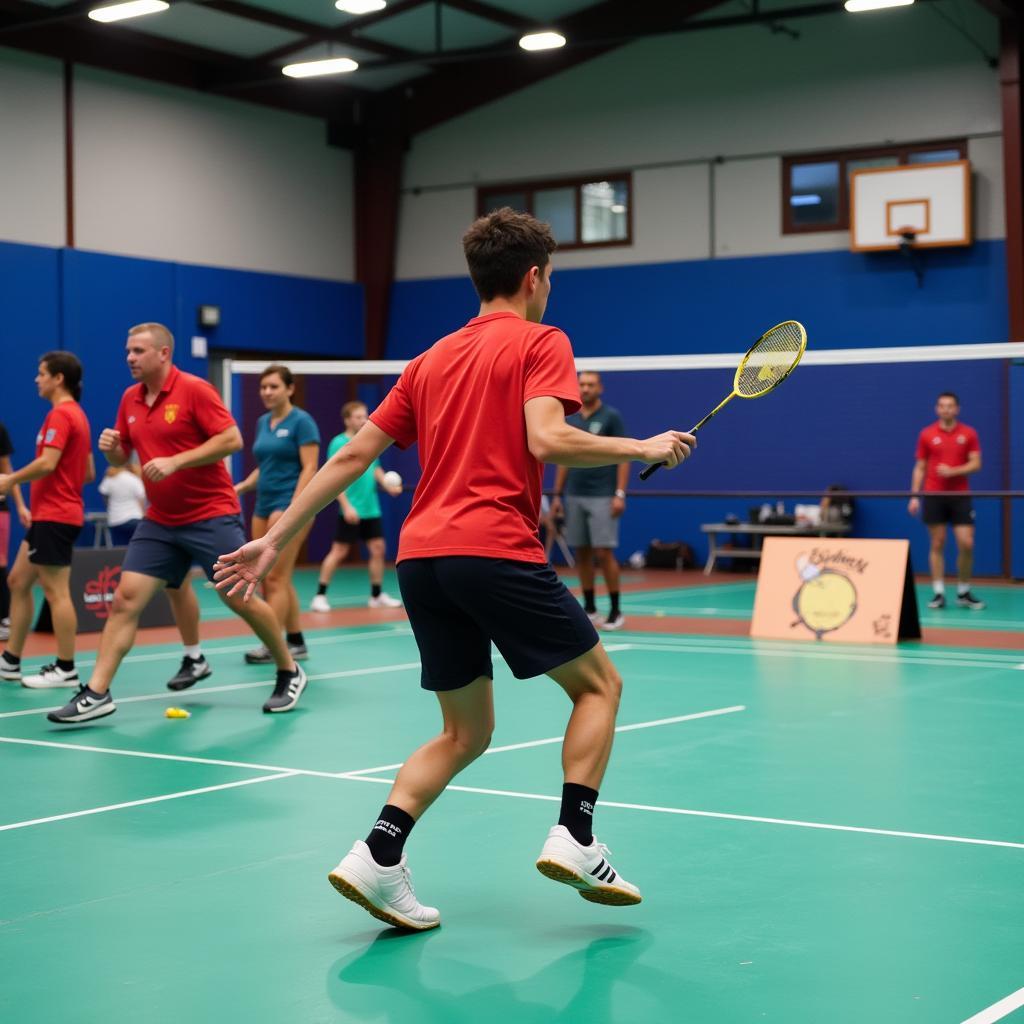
[84, 707]
[299, 652]
[258, 656]
[10, 670]
[287, 690]
[49, 677]
[968, 600]
[938, 601]
[5, 629]
[191, 671]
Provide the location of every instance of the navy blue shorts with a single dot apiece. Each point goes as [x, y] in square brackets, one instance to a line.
[168, 552]
[459, 604]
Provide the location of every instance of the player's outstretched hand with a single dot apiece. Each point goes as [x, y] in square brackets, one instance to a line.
[669, 448]
[243, 569]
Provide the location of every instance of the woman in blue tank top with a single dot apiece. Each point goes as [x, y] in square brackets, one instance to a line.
[287, 450]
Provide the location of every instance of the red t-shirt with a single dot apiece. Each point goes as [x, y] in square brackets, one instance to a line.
[187, 412]
[946, 447]
[57, 498]
[479, 492]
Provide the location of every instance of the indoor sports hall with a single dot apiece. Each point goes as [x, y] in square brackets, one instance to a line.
[818, 618]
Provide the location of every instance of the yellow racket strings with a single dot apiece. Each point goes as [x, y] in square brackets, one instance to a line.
[771, 359]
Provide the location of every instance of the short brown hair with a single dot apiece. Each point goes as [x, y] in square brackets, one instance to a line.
[161, 335]
[350, 407]
[282, 371]
[500, 249]
[68, 366]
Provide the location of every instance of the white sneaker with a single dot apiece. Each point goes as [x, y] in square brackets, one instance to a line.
[617, 623]
[5, 629]
[595, 617]
[50, 677]
[383, 600]
[8, 670]
[386, 893]
[585, 868]
[320, 603]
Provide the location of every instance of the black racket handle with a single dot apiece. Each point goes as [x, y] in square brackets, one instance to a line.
[648, 470]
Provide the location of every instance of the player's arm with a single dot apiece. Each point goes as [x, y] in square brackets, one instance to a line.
[551, 439]
[35, 470]
[241, 570]
[249, 483]
[90, 469]
[972, 465]
[213, 449]
[561, 475]
[110, 444]
[309, 456]
[916, 480]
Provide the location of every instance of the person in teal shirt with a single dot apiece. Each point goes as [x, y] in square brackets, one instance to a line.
[359, 519]
[287, 450]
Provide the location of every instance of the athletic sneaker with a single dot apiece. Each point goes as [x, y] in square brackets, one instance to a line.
[5, 629]
[938, 601]
[320, 603]
[84, 706]
[614, 623]
[9, 670]
[386, 893]
[968, 600]
[190, 672]
[585, 868]
[287, 690]
[49, 677]
[261, 656]
[595, 617]
[383, 600]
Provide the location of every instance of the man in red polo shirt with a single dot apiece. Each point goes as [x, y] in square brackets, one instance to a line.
[947, 453]
[487, 406]
[182, 432]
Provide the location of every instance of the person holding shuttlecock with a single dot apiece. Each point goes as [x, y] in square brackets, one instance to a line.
[359, 518]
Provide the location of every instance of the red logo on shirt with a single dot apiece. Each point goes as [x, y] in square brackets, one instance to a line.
[98, 593]
[171, 413]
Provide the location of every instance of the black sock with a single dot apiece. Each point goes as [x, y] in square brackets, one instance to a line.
[66, 666]
[388, 836]
[321, 589]
[295, 639]
[5, 594]
[375, 589]
[12, 659]
[614, 595]
[588, 602]
[577, 813]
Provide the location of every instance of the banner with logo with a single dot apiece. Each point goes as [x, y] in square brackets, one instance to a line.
[844, 591]
[94, 576]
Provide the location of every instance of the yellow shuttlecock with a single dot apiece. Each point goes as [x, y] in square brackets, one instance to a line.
[177, 713]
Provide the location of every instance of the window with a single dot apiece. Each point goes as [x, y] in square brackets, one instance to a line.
[583, 212]
[816, 187]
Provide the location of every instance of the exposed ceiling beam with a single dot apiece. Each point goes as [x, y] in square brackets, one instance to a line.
[492, 13]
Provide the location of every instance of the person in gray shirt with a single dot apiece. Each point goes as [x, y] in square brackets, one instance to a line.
[594, 500]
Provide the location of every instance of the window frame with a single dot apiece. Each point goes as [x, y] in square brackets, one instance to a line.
[842, 157]
[576, 183]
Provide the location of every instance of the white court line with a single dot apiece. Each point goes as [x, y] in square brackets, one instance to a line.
[997, 1011]
[170, 695]
[147, 800]
[558, 739]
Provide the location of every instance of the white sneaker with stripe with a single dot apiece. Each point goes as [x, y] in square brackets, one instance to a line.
[586, 869]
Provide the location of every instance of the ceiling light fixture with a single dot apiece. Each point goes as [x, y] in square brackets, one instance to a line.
[312, 68]
[360, 6]
[856, 6]
[542, 41]
[134, 9]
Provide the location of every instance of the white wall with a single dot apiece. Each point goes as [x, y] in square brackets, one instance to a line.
[895, 76]
[31, 149]
[167, 173]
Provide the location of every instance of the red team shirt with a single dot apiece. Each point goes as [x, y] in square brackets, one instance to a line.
[187, 412]
[936, 446]
[462, 400]
[57, 498]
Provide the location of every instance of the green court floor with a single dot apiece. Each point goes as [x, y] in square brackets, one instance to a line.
[1004, 605]
[821, 834]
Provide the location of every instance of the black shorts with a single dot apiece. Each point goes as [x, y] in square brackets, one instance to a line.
[458, 605]
[167, 552]
[947, 509]
[51, 543]
[365, 529]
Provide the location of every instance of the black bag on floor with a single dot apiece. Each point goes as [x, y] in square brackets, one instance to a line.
[675, 554]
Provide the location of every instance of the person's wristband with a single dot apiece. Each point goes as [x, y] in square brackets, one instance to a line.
[620, 494]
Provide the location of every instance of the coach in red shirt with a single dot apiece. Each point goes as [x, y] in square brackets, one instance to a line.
[947, 453]
[487, 406]
[182, 432]
[62, 467]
